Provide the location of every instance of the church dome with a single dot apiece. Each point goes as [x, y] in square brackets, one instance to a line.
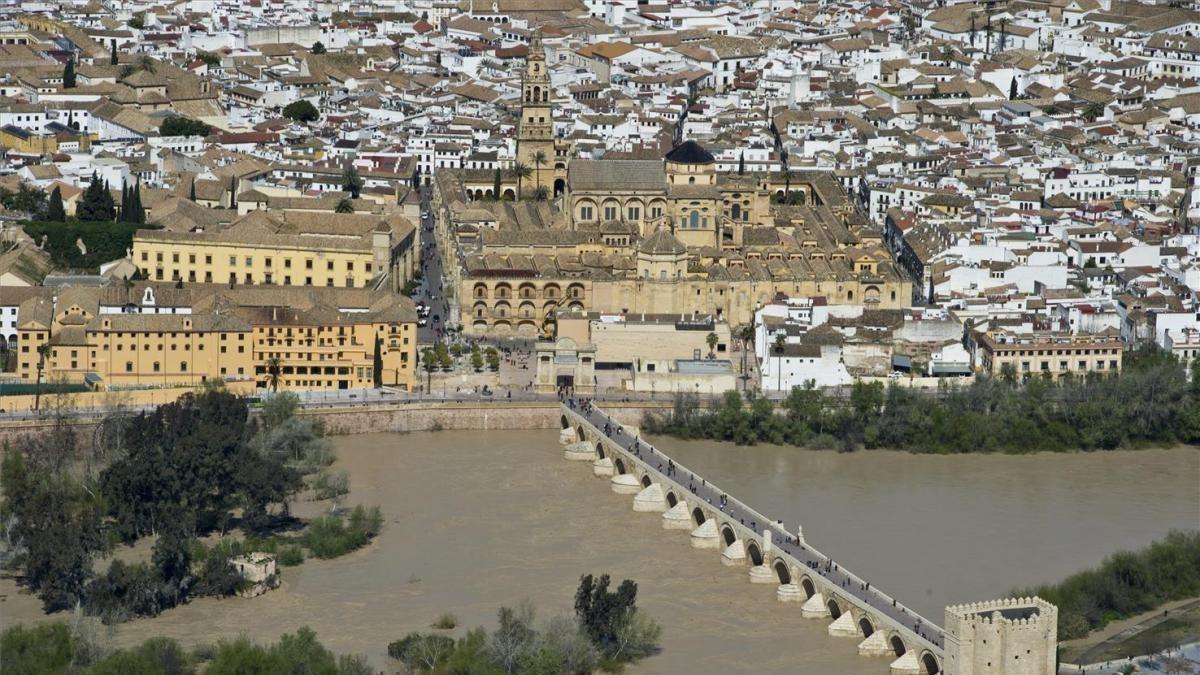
[662, 243]
[690, 152]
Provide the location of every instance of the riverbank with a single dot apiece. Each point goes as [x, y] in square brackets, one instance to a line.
[1170, 625]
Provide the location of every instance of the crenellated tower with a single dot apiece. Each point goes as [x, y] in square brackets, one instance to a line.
[1015, 636]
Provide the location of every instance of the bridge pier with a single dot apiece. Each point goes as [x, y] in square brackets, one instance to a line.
[876, 644]
[907, 664]
[602, 468]
[677, 517]
[580, 451]
[789, 593]
[625, 484]
[761, 574]
[567, 436]
[814, 607]
[734, 554]
[844, 626]
[705, 535]
[650, 500]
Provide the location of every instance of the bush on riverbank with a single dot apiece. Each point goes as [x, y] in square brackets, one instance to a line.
[332, 536]
[59, 648]
[1125, 584]
[1150, 403]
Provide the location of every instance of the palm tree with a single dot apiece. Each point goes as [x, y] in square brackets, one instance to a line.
[520, 171]
[43, 351]
[711, 339]
[344, 206]
[539, 158]
[1092, 111]
[274, 370]
[541, 194]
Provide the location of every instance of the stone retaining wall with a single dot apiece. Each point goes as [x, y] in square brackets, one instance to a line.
[473, 416]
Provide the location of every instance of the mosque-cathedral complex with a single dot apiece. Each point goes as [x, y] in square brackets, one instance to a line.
[654, 236]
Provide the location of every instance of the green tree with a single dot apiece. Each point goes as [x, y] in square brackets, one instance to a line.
[602, 613]
[742, 164]
[344, 206]
[429, 361]
[711, 340]
[274, 372]
[38, 649]
[318, 48]
[496, 184]
[178, 125]
[68, 75]
[55, 211]
[352, 182]
[493, 359]
[539, 160]
[1093, 111]
[476, 358]
[301, 111]
[112, 58]
[520, 171]
[55, 520]
[377, 364]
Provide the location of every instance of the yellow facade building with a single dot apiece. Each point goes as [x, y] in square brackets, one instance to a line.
[159, 336]
[286, 248]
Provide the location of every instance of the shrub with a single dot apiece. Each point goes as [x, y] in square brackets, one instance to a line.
[290, 556]
[419, 652]
[218, 576]
[331, 485]
[446, 621]
[331, 536]
[46, 648]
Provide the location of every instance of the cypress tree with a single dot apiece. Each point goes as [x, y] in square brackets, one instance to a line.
[69, 74]
[496, 185]
[108, 209]
[1012, 90]
[90, 204]
[742, 164]
[112, 60]
[192, 195]
[139, 213]
[55, 211]
[123, 216]
[378, 363]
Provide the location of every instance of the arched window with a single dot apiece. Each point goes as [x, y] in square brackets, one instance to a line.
[736, 212]
[695, 220]
[157, 367]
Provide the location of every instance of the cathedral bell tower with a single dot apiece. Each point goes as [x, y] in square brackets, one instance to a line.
[535, 130]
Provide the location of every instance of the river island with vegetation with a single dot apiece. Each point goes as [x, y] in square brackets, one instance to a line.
[1152, 403]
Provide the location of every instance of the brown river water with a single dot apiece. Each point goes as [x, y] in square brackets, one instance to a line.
[480, 519]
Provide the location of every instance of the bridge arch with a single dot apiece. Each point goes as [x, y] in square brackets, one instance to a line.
[728, 535]
[782, 571]
[810, 589]
[566, 424]
[753, 554]
[865, 625]
[835, 610]
[929, 664]
[897, 645]
[600, 450]
[672, 500]
[646, 480]
[619, 465]
[582, 434]
[698, 516]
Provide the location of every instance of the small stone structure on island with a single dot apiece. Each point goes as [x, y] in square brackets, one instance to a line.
[259, 571]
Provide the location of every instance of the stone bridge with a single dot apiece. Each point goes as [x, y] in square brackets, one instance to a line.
[824, 589]
[1022, 631]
